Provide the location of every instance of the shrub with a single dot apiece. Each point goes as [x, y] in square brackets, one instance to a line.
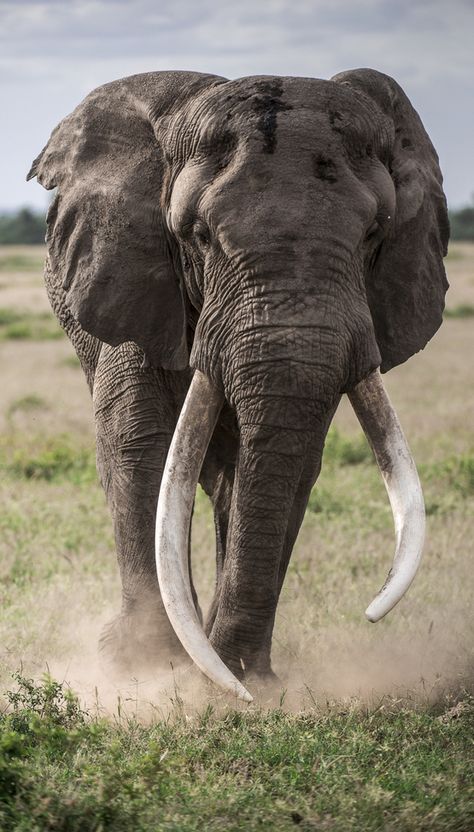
[24, 227]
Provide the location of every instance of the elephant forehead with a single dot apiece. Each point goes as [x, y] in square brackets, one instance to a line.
[253, 159]
[307, 165]
[304, 104]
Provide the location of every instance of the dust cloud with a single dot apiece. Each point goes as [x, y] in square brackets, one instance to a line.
[414, 663]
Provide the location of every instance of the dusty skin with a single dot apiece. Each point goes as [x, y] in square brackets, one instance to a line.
[58, 579]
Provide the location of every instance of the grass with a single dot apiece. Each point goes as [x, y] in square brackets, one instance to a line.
[446, 481]
[464, 310]
[71, 361]
[344, 769]
[454, 253]
[21, 326]
[27, 404]
[23, 261]
[51, 459]
[456, 473]
[372, 726]
[346, 450]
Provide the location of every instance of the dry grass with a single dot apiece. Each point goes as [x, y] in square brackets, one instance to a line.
[58, 533]
[364, 749]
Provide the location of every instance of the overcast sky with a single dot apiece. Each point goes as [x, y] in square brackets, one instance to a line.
[52, 52]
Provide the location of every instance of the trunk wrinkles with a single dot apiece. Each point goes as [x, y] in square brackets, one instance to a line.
[283, 406]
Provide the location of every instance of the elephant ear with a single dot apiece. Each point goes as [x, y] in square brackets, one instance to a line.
[106, 235]
[407, 283]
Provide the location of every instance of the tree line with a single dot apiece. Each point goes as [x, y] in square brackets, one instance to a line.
[22, 227]
[28, 227]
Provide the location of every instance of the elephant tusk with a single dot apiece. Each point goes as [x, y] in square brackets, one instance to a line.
[384, 433]
[173, 519]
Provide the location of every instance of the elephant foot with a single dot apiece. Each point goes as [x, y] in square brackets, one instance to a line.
[266, 677]
[139, 642]
[255, 670]
[263, 685]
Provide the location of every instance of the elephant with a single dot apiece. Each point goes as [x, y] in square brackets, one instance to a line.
[228, 258]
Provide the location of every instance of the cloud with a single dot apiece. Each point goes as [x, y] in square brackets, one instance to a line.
[291, 32]
[53, 53]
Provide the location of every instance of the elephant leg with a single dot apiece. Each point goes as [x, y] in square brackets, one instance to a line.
[221, 495]
[217, 480]
[135, 412]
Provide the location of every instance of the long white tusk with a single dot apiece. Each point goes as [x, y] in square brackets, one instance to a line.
[173, 519]
[383, 430]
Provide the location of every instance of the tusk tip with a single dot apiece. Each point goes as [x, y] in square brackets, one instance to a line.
[233, 685]
[372, 615]
[240, 692]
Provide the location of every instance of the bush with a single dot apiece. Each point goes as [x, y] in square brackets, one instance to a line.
[51, 460]
[462, 223]
[464, 310]
[25, 227]
[343, 450]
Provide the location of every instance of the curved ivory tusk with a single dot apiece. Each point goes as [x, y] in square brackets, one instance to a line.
[173, 519]
[383, 430]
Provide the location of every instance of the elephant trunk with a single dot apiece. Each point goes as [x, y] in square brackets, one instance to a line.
[186, 454]
[281, 422]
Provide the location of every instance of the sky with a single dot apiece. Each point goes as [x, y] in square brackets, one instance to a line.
[53, 52]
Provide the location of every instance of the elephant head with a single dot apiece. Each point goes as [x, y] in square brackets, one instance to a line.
[284, 237]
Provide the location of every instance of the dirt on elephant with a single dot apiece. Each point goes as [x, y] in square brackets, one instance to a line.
[59, 580]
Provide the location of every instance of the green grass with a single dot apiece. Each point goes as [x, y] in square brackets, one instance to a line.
[335, 752]
[365, 763]
[9, 316]
[343, 491]
[344, 769]
[345, 450]
[60, 458]
[24, 262]
[71, 361]
[448, 482]
[44, 458]
[27, 404]
[464, 310]
[457, 472]
[331, 766]
[22, 326]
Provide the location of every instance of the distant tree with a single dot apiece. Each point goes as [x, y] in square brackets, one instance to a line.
[24, 227]
[462, 223]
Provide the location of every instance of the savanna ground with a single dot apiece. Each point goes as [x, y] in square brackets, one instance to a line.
[373, 726]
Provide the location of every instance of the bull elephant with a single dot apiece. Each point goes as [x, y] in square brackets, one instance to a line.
[229, 258]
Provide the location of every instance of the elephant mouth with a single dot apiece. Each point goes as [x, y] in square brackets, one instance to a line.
[185, 458]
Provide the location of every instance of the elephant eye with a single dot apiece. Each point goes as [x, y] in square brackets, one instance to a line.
[185, 261]
[372, 230]
[202, 236]
[379, 226]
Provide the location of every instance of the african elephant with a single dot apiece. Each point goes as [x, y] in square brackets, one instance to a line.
[254, 248]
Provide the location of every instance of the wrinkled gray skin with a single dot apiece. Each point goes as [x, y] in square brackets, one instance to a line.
[283, 235]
